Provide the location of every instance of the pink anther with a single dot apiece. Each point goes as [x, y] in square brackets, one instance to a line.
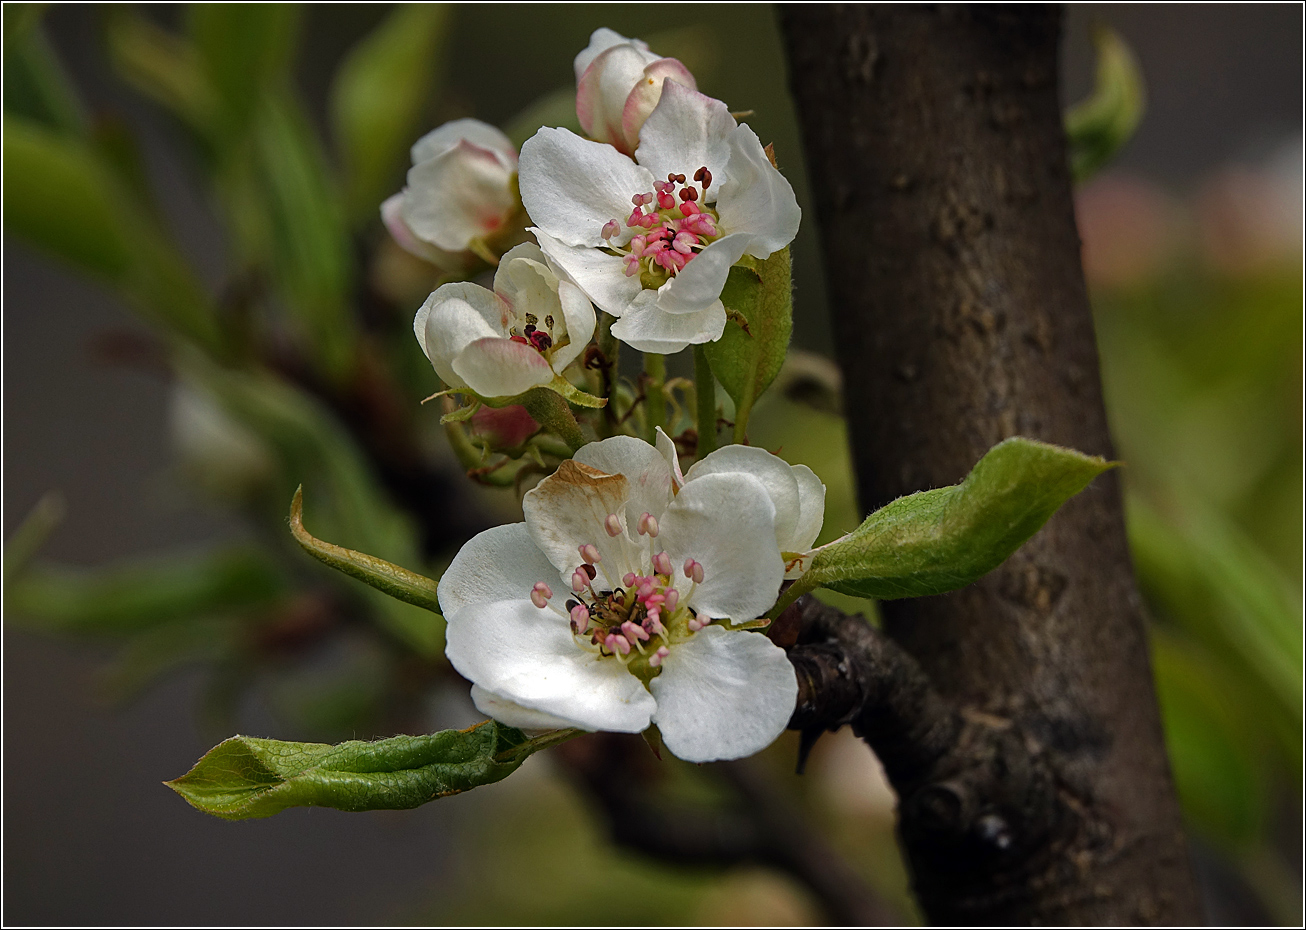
[695, 624]
[580, 618]
[610, 229]
[617, 643]
[634, 631]
[694, 571]
[656, 658]
[629, 579]
[662, 564]
[672, 599]
[648, 525]
[590, 553]
[612, 523]
[579, 581]
[540, 594]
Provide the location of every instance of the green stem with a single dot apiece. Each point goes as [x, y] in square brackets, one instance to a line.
[543, 741]
[552, 412]
[611, 350]
[705, 391]
[791, 594]
[655, 405]
[741, 420]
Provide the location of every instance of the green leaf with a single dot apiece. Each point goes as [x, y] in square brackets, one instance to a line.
[244, 50]
[35, 83]
[127, 598]
[395, 581]
[244, 778]
[32, 533]
[379, 97]
[162, 66]
[746, 362]
[61, 197]
[1098, 127]
[936, 541]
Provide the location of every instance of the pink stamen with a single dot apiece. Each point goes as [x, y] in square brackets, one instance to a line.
[540, 594]
[617, 643]
[694, 571]
[590, 553]
[610, 229]
[662, 564]
[580, 619]
[672, 599]
[656, 658]
[612, 523]
[633, 632]
[629, 579]
[696, 624]
[579, 581]
[641, 200]
[648, 524]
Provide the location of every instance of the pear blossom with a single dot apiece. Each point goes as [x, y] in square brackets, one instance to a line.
[703, 193]
[503, 342]
[603, 609]
[460, 190]
[618, 83]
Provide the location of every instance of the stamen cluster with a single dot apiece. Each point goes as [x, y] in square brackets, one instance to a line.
[680, 225]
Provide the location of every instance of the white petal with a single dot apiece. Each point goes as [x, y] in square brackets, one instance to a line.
[667, 447]
[648, 328]
[454, 316]
[499, 564]
[647, 476]
[643, 99]
[601, 40]
[726, 522]
[392, 215]
[528, 656]
[571, 186]
[580, 320]
[756, 198]
[567, 510]
[776, 475]
[498, 367]
[513, 714]
[723, 695]
[811, 492]
[602, 90]
[687, 131]
[458, 196]
[443, 138]
[601, 276]
[699, 284]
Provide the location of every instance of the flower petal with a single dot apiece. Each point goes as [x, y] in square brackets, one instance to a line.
[687, 131]
[571, 186]
[602, 91]
[443, 138]
[392, 216]
[647, 476]
[648, 328]
[601, 40]
[601, 276]
[666, 446]
[580, 319]
[513, 714]
[723, 695]
[499, 564]
[699, 283]
[776, 475]
[458, 196]
[726, 522]
[811, 493]
[529, 656]
[646, 93]
[498, 367]
[567, 510]
[756, 198]
[452, 317]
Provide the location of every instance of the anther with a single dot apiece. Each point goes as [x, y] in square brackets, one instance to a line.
[694, 571]
[612, 524]
[589, 570]
[672, 599]
[689, 193]
[662, 564]
[540, 594]
[696, 624]
[610, 229]
[633, 632]
[656, 658]
[648, 524]
[704, 177]
[617, 643]
[590, 553]
[579, 581]
[580, 619]
[629, 579]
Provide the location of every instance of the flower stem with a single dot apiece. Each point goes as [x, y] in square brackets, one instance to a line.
[705, 392]
[611, 352]
[655, 405]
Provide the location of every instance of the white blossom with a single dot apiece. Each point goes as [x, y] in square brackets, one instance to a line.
[661, 266]
[602, 610]
[520, 335]
[618, 84]
[460, 189]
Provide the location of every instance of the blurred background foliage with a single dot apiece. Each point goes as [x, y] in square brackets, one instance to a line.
[294, 363]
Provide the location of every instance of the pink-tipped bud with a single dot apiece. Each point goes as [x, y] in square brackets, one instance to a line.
[656, 658]
[540, 594]
[612, 524]
[610, 229]
[662, 564]
[580, 618]
[673, 598]
[590, 553]
[629, 579]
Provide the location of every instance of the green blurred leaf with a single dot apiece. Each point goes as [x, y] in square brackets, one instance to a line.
[164, 67]
[1098, 127]
[940, 540]
[379, 97]
[127, 598]
[244, 51]
[62, 198]
[394, 580]
[747, 362]
[32, 533]
[553, 109]
[19, 18]
[36, 86]
[154, 653]
[244, 778]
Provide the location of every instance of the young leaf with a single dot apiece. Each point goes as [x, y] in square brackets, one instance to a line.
[378, 98]
[746, 362]
[1096, 128]
[384, 576]
[941, 540]
[244, 778]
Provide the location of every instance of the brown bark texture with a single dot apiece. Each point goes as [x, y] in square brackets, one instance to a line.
[938, 164]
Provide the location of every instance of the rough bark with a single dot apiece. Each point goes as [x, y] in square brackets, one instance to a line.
[938, 164]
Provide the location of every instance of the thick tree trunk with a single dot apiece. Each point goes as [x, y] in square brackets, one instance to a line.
[938, 162]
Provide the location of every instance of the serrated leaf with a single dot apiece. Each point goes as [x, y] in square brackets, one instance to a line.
[944, 539]
[746, 362]
[394, 580]
[378, 98]
[1096, 128]
[244, 778]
